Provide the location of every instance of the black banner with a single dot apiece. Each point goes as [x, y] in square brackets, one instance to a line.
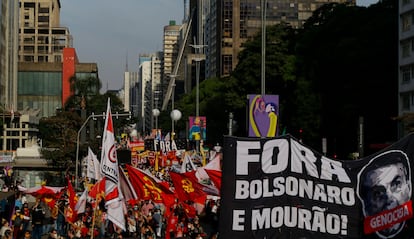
[279, 188]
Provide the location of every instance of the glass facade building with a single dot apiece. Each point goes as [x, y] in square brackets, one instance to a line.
[40, 90]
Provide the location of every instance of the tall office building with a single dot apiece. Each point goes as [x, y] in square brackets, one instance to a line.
[149, 90]
[230, 23]
[406, 65]
[41, 38]
[8, 54]
[130, 92]
[45, 47]
[171, 41]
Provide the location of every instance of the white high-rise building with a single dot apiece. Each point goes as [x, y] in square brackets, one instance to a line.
[130, 92]
[149, 90]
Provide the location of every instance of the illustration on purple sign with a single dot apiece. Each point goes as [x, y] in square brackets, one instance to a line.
[263, 115]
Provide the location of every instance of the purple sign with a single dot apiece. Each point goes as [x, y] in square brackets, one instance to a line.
[263, 115]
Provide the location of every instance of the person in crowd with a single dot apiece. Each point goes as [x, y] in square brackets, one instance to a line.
[71, 234]
[157, 217]
[17, 223]
[47, 219]
[26, 217]
[3, 208]
[38, 215]
[4, 227]
[131, 224]
[53, 234]
[181, 228]
[18, 203]
[60, 223]
[147, 232]
[8, 234]
[27, 235]
[147, 207]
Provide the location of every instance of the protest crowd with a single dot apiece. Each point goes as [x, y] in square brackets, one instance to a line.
[161, 193]
[56, 216]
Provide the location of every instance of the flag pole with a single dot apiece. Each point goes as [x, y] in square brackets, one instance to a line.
[94, 217]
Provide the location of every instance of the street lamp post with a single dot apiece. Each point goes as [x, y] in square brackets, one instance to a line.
[77, 141]
[156, 113]
[175, 115]
[198, 49]
[198, 59]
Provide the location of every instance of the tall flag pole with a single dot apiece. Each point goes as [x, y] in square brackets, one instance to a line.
[109, 169]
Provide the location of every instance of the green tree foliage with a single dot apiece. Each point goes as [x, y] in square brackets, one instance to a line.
[348, 58]
[83, 89]
[341, 66]
[212, 105]
[280, 72]
[58, 134]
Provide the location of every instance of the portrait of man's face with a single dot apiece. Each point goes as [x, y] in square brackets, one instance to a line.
[384, 184]
[387, 187]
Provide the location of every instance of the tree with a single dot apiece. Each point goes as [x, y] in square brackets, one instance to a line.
[280, 73]
[212, 92]
[59, 134]
[347, 56]
[83, 89]
[341, 66]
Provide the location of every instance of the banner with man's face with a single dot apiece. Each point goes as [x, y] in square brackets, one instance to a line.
[279, 188]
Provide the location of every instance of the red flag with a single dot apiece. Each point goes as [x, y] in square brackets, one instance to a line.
[186, 187]
[208, 189]
[109, 168]
[189, 210]
[71, 214]
[149, 187]
[98, 189]
[215, 177]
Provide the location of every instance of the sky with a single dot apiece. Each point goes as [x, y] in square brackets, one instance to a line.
[109, 32]
[114, 33]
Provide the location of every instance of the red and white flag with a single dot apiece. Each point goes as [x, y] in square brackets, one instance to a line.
[126, 187]
[93, 166]
[109, 169]
[81, 203]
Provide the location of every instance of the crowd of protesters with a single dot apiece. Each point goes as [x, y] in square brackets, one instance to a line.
[144, 219]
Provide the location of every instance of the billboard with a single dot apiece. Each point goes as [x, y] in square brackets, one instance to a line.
[263, 115]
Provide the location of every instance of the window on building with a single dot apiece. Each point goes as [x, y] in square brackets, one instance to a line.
[29, 58]
[43, 18]
[28, 49]
[405, 49]
[29, 31]
[43, 31]
[44, 10]
[406, 74]
[405, 102]
[406, 22]
[227, 64]
[412, 99]
[227, 19]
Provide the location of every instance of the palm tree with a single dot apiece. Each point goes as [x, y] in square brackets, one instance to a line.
[82, 90]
